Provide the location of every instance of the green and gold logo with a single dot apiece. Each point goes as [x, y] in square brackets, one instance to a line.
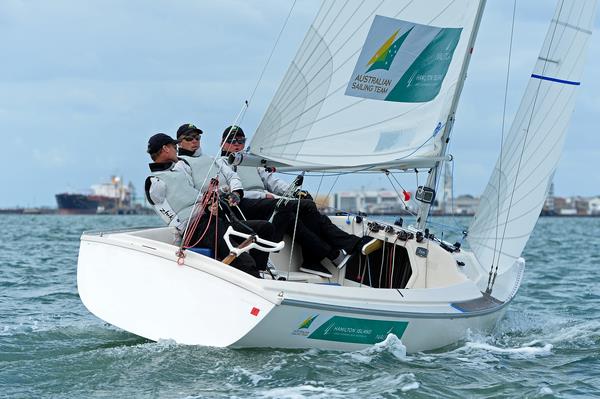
[403, 61]
[384, 56]
[307, 322]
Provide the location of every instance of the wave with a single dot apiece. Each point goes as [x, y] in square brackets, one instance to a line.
[391, 344]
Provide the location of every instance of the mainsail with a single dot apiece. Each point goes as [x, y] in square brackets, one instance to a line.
[515, 194]
[373, 83]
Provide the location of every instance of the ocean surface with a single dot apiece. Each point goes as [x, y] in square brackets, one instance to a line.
[51, 346]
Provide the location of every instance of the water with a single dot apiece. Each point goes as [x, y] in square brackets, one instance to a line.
[547, 346]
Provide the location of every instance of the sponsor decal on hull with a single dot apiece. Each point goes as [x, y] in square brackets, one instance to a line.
[352, 330]
[303, 328]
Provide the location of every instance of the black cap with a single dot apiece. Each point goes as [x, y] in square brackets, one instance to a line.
[156, 142]
[235, 131]
[186, 129]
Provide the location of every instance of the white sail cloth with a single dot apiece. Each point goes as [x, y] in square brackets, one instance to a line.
[372, 83]
[515, 194]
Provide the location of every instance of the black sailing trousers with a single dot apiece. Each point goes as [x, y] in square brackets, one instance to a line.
[316, 234]
[249, 262]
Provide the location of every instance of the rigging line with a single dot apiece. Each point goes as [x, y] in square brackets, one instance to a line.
[525, 142]
[299, 91]
[393, 263]
[543, 180]
[333, 185]
[512, 30]
[294, 235]
[354, 53]
[398, 194]
[212, 164]
[323, 55]
[341, 65]
[540, 181]
[509, 149]
[417, 177]
[522, 215]
[396, 159]
[441, 12]
[351, 56]
[345, 108]
[315, 75]
[544, 117]
[360, 172]
[307, 44]
[415, 108]
[382, 262]
[447, 226]
[320, 13]
[452, 208]
[272, 51]
[319, 187]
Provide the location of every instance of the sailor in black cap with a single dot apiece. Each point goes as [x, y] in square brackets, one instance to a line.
[171, 192]
[317, 235]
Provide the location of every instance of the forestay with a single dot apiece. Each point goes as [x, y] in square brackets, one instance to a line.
[515, 194]
[372, 83]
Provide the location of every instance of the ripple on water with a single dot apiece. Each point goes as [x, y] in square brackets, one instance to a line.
[547, 345]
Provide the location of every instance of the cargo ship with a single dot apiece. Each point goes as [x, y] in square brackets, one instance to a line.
[106, 197]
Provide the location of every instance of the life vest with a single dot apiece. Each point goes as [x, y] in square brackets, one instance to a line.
[179, 197]
[200, 166]
[250, 178]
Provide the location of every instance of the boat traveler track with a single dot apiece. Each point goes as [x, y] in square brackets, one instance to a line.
[405, 281]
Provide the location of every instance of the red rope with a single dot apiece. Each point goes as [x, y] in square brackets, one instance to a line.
[210, 196]
[216, 229]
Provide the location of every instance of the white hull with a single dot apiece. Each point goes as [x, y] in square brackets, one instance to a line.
[133, 281]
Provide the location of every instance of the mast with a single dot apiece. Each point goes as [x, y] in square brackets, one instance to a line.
[434, 172]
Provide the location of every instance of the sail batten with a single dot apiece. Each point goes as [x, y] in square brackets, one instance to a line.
[516, 192]
[379, 77]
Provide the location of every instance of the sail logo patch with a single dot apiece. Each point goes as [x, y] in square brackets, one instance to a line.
[384, 57]
[403, 61]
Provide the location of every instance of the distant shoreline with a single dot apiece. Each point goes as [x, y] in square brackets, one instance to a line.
[147, 211]
[55, 211]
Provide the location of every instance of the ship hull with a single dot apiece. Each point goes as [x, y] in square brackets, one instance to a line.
[76, 204]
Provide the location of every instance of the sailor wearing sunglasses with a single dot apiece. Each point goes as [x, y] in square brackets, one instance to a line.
[190, 150]
[317, 235]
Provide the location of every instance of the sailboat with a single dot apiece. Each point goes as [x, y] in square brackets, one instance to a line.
[385, 79]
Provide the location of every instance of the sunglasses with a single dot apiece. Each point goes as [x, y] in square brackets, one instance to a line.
[191, 138]
[240, 140]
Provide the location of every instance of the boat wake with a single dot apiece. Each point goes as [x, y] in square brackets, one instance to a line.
[392, 345]
[522, 352]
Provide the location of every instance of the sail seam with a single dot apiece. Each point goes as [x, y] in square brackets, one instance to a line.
[491, 284]
[263, 147]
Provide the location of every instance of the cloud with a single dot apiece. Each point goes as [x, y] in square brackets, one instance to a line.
[49, 157]
[84, 84]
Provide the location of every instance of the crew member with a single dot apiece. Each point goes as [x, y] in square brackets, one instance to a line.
[171, 192]
[317, 235]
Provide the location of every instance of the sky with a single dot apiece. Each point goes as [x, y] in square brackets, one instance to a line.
[85, 83]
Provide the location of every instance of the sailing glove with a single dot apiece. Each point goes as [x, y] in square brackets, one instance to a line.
[233, 198]
[302, 194]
